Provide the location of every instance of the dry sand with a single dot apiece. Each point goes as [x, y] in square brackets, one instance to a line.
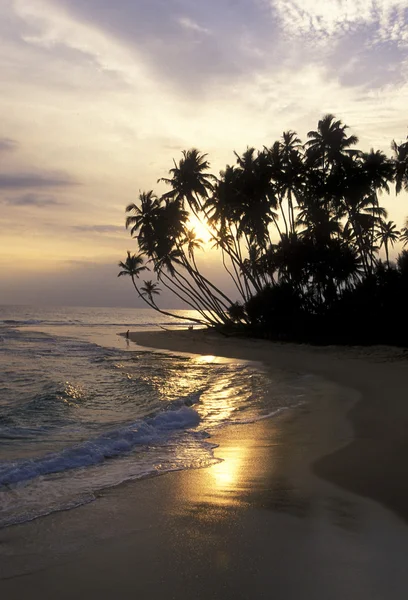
[299, 507]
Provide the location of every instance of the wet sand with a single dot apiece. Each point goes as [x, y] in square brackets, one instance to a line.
[374, 462]
[298, 508]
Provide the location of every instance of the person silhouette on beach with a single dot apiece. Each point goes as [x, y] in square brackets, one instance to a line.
[127, 333]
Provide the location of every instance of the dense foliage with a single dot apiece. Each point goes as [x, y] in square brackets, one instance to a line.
[299, 229]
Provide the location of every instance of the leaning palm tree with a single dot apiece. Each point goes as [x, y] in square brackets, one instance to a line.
[132, 267]
[150, 289]
[331, 225]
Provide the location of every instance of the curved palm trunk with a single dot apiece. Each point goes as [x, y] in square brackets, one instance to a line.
[163, 312]
[211, 307]
[235, 262]
[237, 281]
[207, 284]
[203, 283]
[181, 283]
[186, 287]
[190, 302]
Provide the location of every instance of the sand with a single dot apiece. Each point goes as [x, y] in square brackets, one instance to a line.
[374, 462]
[307, 505]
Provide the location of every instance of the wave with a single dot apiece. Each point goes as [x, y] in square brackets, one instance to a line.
[17, 322]
[96, 451]
[138, 325]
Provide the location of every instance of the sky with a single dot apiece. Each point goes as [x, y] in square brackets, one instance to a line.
[98, 97]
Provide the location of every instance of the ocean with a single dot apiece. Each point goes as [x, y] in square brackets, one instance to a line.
[83, 409]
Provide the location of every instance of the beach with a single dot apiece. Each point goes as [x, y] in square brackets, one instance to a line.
[372, 463]
[312, 503]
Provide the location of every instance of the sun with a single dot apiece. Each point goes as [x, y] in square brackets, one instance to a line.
[201, 230]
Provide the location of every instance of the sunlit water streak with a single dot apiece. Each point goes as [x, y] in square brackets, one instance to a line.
[81, 409]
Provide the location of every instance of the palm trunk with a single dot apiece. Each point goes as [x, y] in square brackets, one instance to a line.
[191, 303]
[163, 312]
[386, 253]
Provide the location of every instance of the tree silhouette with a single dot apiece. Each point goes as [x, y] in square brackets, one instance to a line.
[388, 235]
[298, 228]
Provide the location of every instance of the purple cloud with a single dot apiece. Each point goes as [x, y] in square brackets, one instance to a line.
[31, 199]
[7, 144]
[17, 181]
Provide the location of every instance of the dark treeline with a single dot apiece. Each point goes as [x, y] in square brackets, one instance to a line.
[299, 229]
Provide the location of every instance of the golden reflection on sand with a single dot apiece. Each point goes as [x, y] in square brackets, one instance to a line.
[226, 474]
[239, 473]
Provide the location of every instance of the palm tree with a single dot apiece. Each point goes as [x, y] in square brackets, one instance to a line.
[254, 197]
[132, 267]
[331, 228]
[142, 222]
[150, 289]
[328, 145]
[401, 165]
[318, 220]
[240, 210]
[189, 181]
[291, 177]
[379, 170]
[388, 235]
[278, 166]
[404, 233]
[193, 242]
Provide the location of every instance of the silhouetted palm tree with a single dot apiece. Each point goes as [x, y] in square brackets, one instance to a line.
[142, 222]
[189, 180]
[389, 234]
[404, 233]
[329, 143]
[132, 266]
[150, 290]
[401, 165]
[318, 261]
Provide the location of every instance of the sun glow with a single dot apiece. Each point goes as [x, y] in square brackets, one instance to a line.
[201, 229]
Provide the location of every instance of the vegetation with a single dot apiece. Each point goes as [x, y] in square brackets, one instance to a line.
[299, 229]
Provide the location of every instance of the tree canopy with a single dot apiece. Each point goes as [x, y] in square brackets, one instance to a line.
[300, 231]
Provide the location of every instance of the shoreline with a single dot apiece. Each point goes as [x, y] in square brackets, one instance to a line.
[268, 520]
[373, 463]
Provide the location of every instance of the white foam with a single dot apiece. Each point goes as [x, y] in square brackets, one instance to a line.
[95, 451]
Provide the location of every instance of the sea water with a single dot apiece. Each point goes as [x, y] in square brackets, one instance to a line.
[83, 409]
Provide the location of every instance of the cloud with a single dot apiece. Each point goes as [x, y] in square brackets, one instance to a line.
[191, 25]
[153, 37]
[16, 181]
[31, 200]
[7, 144]
[111, 91]
[327, 19]
[102, 229]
